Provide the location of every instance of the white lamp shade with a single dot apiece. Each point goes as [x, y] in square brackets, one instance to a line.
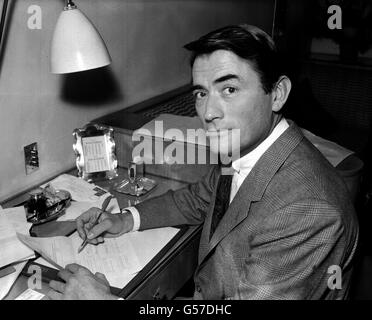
[76, 44]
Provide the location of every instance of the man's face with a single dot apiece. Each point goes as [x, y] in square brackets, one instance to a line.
[229, 95]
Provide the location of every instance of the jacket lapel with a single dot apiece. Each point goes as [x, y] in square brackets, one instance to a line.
[251, 190]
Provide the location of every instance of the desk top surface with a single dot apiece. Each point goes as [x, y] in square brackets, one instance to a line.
[58, 228]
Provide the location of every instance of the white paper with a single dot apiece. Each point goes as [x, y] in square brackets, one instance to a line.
[7, 282]
[121, 279]
[148, 243]
[79, 189]
[12, 250]
[76, 208]
[119, 259]
[17, 218]
[44, 262]
[30, 294]
[96, 156]
[112, 259]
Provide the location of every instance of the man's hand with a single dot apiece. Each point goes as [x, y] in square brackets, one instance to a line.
[80, 284]
[109, 225]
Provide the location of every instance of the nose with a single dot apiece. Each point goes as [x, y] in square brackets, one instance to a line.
[213, 110]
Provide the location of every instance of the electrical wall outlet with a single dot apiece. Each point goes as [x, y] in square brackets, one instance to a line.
[31, 158]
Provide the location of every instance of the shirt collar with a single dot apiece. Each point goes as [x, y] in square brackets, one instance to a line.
[245, 164]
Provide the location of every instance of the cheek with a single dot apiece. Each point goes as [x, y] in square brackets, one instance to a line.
[253, 121]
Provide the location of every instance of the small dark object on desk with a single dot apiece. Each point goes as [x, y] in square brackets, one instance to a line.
[53, 229]
[46, 204]
[140, 187]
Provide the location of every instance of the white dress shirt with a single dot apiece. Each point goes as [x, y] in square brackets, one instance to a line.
[244, 165]
[241, 166]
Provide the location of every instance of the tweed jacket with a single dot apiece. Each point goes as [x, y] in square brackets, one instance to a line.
[287, 229]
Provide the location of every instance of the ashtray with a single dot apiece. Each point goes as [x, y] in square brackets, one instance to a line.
[138, 188]
[46, 204]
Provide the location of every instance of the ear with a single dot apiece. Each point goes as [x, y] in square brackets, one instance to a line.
[281, 93]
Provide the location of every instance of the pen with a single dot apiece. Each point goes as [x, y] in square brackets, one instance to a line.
[104, 207]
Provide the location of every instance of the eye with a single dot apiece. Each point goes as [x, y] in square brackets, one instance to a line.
[199, 94]
[229, 91]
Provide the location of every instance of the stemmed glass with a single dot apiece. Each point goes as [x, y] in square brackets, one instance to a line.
[136, 185]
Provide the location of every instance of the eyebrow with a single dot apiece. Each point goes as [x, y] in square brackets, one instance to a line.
[197, 87]
[218, 80]
[226, 78]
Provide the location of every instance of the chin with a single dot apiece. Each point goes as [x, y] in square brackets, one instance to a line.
[225, 144]
[225, 153]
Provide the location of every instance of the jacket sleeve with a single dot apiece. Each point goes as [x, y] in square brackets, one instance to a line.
[186, 206]
[291, 256]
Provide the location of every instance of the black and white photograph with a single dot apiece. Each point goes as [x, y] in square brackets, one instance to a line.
[182, 153]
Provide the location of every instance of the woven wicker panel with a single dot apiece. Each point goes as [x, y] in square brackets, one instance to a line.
[182, 105]
[345, 92]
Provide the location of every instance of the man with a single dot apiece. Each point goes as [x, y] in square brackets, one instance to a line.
[287, 217]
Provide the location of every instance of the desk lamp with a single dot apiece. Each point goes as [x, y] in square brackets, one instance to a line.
[76, 44]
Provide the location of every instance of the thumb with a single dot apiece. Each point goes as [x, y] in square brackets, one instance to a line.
[102, 277]
[99, 229]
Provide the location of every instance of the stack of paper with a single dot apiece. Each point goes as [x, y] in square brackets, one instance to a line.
[13, 252]
[7, 282]
[80, 189]
[11, 221]
[119, 259]
[85, 195]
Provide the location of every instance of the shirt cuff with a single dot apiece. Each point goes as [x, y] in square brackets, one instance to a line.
[136, 217]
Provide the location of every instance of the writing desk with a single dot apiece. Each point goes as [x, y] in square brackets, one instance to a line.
[162, 278]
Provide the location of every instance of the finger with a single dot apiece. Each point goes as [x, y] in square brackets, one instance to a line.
[57, 286]
[64, 274]
[100, 228]
[74, 267]
[100, 240]
[97, 240]
[93, 241]
[53, 295]
[85, 220]
[102, 277]
[80, 229]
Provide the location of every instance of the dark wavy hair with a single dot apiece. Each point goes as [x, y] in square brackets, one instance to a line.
[247, 42]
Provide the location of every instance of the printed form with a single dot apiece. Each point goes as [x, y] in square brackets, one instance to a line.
[80, 189]
[119, 259]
